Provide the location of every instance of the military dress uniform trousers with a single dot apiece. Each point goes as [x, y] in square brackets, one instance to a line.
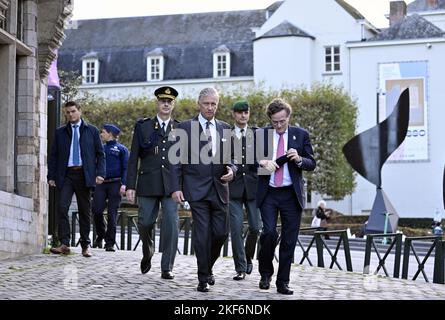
[148, 213]
[243, 255]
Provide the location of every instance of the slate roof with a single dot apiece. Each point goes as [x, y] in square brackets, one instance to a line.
[285, 29]
[186, 41]
[411, 27]
[422, 5]
[350, 9]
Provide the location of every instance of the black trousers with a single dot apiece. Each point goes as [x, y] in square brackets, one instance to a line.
[283, 201]
[210, 231]
[74, 184]
[107, 195]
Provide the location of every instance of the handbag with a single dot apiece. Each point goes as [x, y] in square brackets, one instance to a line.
[315, 222]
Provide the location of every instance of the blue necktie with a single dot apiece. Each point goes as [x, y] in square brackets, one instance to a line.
[76, 157]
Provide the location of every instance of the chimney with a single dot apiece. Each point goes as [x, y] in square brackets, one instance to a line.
[397, 11]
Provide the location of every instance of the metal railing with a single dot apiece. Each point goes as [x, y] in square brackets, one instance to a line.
[396, 243]
[321, 244]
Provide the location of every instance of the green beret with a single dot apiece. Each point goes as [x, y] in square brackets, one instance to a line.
[242, 105]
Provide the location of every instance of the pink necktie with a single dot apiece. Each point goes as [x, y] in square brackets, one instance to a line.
[278, 179]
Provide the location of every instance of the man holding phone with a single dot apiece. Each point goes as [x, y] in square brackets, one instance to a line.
[281, 191]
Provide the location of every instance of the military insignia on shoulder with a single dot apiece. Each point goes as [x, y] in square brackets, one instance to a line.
[141, 120]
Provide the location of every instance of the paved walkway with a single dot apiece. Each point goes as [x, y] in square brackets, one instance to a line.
[109, 275]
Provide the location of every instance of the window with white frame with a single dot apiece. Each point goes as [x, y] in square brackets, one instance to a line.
[221, 62]
[155, 68]
[90, 71]
[332, 59]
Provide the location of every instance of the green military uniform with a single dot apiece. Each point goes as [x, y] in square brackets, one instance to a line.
[243, 190]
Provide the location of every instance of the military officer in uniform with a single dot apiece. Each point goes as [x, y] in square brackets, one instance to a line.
[243, 193]
[149, 181]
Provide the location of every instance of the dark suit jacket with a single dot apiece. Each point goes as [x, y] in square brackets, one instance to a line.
[246, 179]
[298, 139]
[91, 150]
[194, 177]
[150, 176]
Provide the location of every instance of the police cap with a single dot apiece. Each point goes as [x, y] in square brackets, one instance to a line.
[166, 93]
[112, 129]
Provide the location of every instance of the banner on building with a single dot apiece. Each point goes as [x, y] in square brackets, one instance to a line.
[393, 79]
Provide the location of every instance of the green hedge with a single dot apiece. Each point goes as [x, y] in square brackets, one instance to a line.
[325, 110]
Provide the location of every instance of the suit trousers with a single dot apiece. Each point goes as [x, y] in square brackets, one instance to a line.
[148, 213]
[210, 231]
[106, 195]
[74, 183]
[284, 201]
[242, 255]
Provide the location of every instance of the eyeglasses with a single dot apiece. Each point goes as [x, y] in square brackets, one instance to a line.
[280, 122]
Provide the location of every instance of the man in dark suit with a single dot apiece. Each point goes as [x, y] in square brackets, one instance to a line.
[76, 164]
[148, 179]
[201, 177]
[281, 190]
[243, 192]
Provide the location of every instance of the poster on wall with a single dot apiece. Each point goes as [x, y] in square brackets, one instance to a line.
[393, 79]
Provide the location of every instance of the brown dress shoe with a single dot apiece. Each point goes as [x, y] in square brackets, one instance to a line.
[62, 249]
[86, 252]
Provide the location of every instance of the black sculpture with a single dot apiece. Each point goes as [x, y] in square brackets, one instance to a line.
[368, 151]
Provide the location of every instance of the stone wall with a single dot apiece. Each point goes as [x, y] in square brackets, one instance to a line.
[20, 228]
[23, 124]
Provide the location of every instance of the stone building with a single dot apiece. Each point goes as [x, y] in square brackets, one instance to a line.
[30, 32]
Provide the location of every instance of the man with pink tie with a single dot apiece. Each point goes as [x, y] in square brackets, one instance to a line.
[281, 190]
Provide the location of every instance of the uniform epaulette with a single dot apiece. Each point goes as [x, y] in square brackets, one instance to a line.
[143, 119]
[176, 121]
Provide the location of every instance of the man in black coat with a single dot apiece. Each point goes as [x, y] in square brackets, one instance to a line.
[201, 176]
[243, 192]
[148, 179]
[76, 164]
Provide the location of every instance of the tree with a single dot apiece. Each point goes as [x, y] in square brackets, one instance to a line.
[70, 81]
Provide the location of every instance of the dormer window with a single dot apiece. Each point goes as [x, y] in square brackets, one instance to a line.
[90, 68]
[155, 65]
[221, 62]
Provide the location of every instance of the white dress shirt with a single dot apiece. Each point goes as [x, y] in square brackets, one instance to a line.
[212, 127]
[162, 121]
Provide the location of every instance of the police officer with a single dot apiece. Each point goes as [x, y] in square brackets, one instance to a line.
[243, 192]
[149, 181]
[113, 187]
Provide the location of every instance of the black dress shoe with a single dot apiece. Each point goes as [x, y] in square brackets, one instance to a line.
[239, 276]
[109, 248]
[211, 280]
[249, 268]
[98, 243]
[284, 289]
[167, 275]
[145, 264]
[203, 287]
[265, 283]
